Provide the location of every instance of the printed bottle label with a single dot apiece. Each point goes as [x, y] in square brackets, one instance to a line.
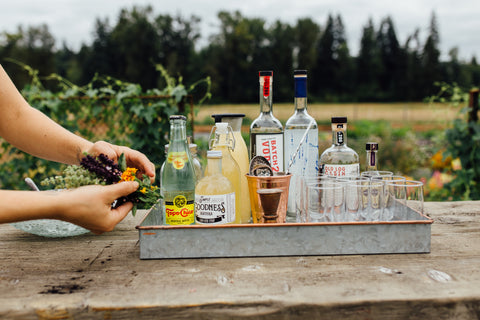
[177, 159]
[342, 170]
[270, 146]
[215, 209]
[179, 211]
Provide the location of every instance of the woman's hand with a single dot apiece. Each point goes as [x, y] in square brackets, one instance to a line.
[135, 159]
[90, 206]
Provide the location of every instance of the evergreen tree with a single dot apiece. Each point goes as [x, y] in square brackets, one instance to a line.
[431, 58]
[367, 65]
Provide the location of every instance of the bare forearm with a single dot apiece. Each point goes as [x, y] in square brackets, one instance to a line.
[27, 205]
[33, 132]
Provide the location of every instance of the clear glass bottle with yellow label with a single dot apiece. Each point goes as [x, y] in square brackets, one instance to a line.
[178, 177]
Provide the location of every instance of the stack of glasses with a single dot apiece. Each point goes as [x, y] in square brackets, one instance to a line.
[372, 196]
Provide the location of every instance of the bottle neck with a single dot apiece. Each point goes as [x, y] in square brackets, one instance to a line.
[266, 100]
[339, 134]
[214, 166]
[178, 133]
[371, 161]
[301, 93]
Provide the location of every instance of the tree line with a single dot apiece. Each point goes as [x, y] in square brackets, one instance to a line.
[129, 49]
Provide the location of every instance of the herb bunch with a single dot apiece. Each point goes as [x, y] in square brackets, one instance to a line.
[104, 171]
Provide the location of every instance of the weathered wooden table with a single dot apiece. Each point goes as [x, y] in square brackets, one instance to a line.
[102, 277]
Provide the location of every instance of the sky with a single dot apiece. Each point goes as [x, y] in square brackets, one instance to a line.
[72, 21]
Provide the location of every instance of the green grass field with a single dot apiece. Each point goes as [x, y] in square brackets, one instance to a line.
[413, 114]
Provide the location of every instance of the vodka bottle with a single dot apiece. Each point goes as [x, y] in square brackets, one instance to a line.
[266, 131]
[371, 148]
[339, 159]
[178, 177]
[214, 194]
[305, 161]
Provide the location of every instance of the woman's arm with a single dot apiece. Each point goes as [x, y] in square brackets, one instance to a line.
[32, 131]
[89, 206]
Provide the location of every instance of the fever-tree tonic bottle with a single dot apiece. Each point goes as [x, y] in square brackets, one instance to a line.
[303, 162]
[178, 176]
[266, 131]
[340, 160]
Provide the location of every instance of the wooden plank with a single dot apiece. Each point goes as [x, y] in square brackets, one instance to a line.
[99, 277]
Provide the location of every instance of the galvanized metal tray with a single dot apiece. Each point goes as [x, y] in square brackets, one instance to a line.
[409, 233]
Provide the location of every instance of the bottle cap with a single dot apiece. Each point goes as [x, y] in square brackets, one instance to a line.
[221, 127]
[219, 117]
[371, 146]
[215, 154]
[178, 117]
[339, 119]
[265, 73]
[300, 72]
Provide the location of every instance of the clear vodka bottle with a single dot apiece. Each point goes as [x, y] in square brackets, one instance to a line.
[303, 162]
[340, 160]
[266, 131]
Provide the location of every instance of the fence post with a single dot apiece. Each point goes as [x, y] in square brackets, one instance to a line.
[473, 105]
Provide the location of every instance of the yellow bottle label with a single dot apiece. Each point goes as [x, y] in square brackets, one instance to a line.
[179, 211]
[178, 159]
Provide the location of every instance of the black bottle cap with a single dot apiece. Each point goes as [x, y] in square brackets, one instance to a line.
[219, 117]
[371, 146]
[265, 73]
[300, 72]
[339, 119]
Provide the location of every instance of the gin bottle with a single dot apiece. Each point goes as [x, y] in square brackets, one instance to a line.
[178, 176]
[340, 160]
[266, 131]
[303, 162]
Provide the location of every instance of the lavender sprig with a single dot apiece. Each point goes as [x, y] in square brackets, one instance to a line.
[103, 167]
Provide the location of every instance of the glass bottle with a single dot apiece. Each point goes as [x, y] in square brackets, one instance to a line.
[339, 159]
[371, 148]
[222, 139]
[266, 131]
[197, 165]
[214, 194]
[305, 161]
[178, 177]
[240, 154]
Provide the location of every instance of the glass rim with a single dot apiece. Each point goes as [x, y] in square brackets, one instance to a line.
[404, 183]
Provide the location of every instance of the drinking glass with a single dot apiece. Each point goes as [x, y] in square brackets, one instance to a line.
[370, 174]
[324, 201]
[402, 196]
[301, 194]
[387, 213]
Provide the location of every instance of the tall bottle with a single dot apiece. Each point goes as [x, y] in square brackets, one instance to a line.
[371, 163]
[266, 131]
[240, 154]
[339, 159]
[214, 194]
[178, 177]
[222, 140]
[305, 161]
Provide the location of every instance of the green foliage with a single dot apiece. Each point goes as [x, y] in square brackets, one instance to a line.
[462, 141]
[104, 109]
[399, 150]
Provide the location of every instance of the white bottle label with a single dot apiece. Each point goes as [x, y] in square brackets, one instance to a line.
[215, 209]
[342, 170]
[270, 146]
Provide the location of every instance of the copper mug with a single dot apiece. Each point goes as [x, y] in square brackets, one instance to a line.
[279, 181]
